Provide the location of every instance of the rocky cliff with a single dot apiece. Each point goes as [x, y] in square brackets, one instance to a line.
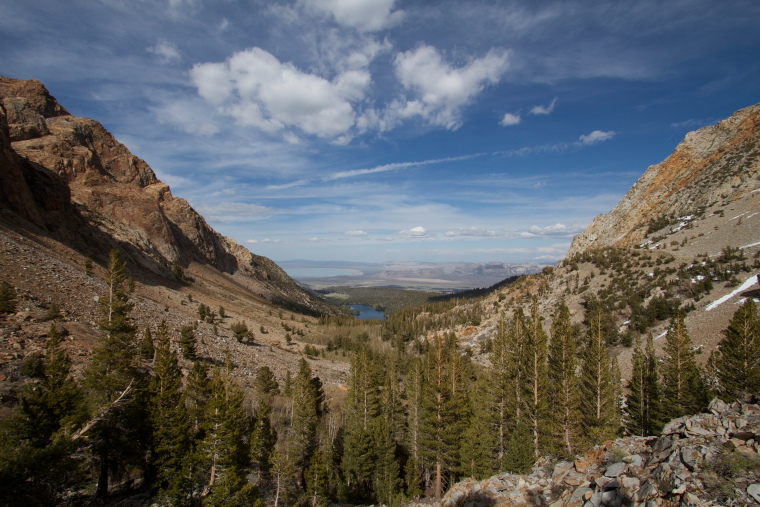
[68, 178]
[715, 165]
[706, 459]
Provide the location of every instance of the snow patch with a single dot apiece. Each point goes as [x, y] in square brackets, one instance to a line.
[749, 282]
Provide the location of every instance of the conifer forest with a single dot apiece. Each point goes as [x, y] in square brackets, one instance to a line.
[417, 416]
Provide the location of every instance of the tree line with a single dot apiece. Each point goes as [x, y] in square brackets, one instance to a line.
[410, 424]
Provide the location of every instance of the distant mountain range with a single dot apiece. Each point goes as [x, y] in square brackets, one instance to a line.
[435, 276]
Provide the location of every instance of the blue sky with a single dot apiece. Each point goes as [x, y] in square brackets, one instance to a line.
[378, 130]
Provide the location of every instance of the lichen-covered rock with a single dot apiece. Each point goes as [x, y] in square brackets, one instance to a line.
[682, 467]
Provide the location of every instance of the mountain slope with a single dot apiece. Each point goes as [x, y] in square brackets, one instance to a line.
[68, 178]
[715, 164]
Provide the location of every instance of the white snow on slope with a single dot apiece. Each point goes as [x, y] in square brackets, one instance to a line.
[746, 285]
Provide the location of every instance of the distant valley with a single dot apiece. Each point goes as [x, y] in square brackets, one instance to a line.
[423, 276]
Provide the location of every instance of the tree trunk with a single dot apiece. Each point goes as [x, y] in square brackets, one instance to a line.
[102, 489]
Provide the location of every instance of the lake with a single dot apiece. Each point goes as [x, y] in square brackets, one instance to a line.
[367, 312]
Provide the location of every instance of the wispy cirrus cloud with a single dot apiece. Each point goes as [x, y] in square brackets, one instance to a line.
[544, 110]
[472, 232]
[597, 136]
[363, 15]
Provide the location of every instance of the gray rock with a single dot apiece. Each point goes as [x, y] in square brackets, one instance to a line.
[630, 483]
[754, 491]
[690, 457]
[615, 469]
[647, 491]
[717, 406]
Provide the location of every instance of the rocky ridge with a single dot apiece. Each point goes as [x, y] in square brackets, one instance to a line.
[68, 178]
[715, 164]
[706, 459]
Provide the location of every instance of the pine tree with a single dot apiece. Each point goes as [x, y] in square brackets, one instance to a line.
[52, 404]
[362, 406]
[643, 401]
[306, 410]
[738, 357]
[263, 439]
[476, 451]
[224, 447]
[112, 377]
[147, 350]
[187, 342]
[412, 394]
[197, 394]
[599, 413]
[285, 476]
[438, 443]
[7, 298]
[265, 383]
[520, 456]
[536, 382]
[168, 415]
[385, 480]
[563, 382]
[683, 390]
[500, 379]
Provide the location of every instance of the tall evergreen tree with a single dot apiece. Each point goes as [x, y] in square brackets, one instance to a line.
[643, 402]
[168, 415]
[306, 411]
[598, 385]
[263, 439]
[114, 383]
[438, 443]
[563, 382]
[361, 408]
[224, 447]
[737, 359]
[536, 382]
[683, 390]
[500, 390]
[197, 394]
[476, 451]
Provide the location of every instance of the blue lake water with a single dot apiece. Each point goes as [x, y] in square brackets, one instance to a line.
[367, 312]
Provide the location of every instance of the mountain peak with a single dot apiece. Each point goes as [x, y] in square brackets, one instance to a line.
[712, 166]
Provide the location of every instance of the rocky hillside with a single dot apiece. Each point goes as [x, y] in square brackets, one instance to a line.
[707, 459]
[715, 164]
[68, 178]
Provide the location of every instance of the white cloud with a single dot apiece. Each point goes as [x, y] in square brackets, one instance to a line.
[259, 91]
[265, 240]
[556, 230]
[472, 232]
[165, 51]
[415, 233]
[510, 119]
[597, 136]
[440, 90]
[392, 167]
[364, 15]
[355, 234]
[544, 110]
